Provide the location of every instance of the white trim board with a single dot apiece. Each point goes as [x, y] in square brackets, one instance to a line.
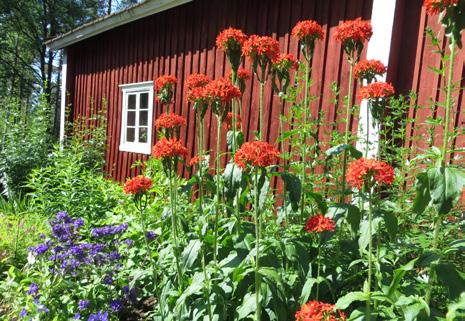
[379, 47]
[64, 74]
[142, 10]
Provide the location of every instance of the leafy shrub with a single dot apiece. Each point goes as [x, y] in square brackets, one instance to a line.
[25, 141]
[67, 184]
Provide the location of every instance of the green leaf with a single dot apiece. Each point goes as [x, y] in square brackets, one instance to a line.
[336, 150]
[293, 188]
[347, 299]
[398, 275]
[190, 254]
[350, 213]
[232, 177]
[452, 313]
[454, 280]
[423, 197]
[247, 307]
[319, 200]
[306, 290]
[445, 187]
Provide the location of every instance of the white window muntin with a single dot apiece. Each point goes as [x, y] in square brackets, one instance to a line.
[135, 144]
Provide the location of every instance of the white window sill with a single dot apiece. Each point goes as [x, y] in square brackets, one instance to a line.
[135, 148]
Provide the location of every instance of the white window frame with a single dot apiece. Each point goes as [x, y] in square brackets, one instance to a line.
[136, 147]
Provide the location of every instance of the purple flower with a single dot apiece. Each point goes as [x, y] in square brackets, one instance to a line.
[83, 305]
[108, 280]
[109, 230]
[151, 235]
[41, 308]
[23, 313]
[116, 305]
[33, 289]
[129, 242]
[99, 316]
[77, 316]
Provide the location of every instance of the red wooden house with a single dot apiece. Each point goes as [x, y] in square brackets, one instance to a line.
[118, 57]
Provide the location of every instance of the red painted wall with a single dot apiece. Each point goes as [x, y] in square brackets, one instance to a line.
[181, 41]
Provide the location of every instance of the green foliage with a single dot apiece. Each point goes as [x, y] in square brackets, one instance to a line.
[25, 141]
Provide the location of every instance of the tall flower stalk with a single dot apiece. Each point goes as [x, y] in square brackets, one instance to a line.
[261, 51]
[319, 224]
[221, 93]
[451, 14]
[307, 32]
[365, 175]
[366, 72]
[352, 34]
[256, 157]
[169, 150]
[231, 41]
[281, 69]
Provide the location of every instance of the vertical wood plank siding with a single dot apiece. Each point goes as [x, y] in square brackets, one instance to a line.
[410, 68]
[181, 41]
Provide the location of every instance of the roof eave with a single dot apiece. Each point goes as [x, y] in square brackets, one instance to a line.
[96, 27]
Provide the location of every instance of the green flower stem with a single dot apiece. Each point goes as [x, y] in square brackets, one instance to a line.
[370, 249]
[207, 281]
[233, 110]
[174, 223]
[367, 143]
[262, 89]
[281, 135]
[218, 188]
[200, 154]
[347, 129]
[318, 269]
[445, 143]
[258, 311]
[304, 138]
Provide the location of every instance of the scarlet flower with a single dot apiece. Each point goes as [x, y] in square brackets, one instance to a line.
[196, 80]
[319, 311]
[197, 94]
[369, 69]
[377, 90]
[307, 30]
[222, 91]
[170, 121]
[169, 147]
[243, 74]
[137, 185]
[256, 154]
[285, 62]
[229, 121]
[261, 48]
[436, 6]
[369, 171]
[354, 30]
[230, 39]
[194, 161]
[319, 223]
[164, 81]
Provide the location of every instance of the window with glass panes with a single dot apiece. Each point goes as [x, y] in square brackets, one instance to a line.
[137, 117]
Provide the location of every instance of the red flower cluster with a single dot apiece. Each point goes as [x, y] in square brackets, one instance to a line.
[197, 94]
[319, 311]
[229, 121]
[194, 161]
[169, 147]
[319, 223]
[196, 80]
[170, 121]
[436, 6]
[377, 90]
[369, 69]
[307, 30]
[222, 90]
[165, 80]
[257, 154]
[369, 171]
[354, 30]
[243, 74]
[137, 185]
[261, 48]
[230, 39]
[285, 62]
